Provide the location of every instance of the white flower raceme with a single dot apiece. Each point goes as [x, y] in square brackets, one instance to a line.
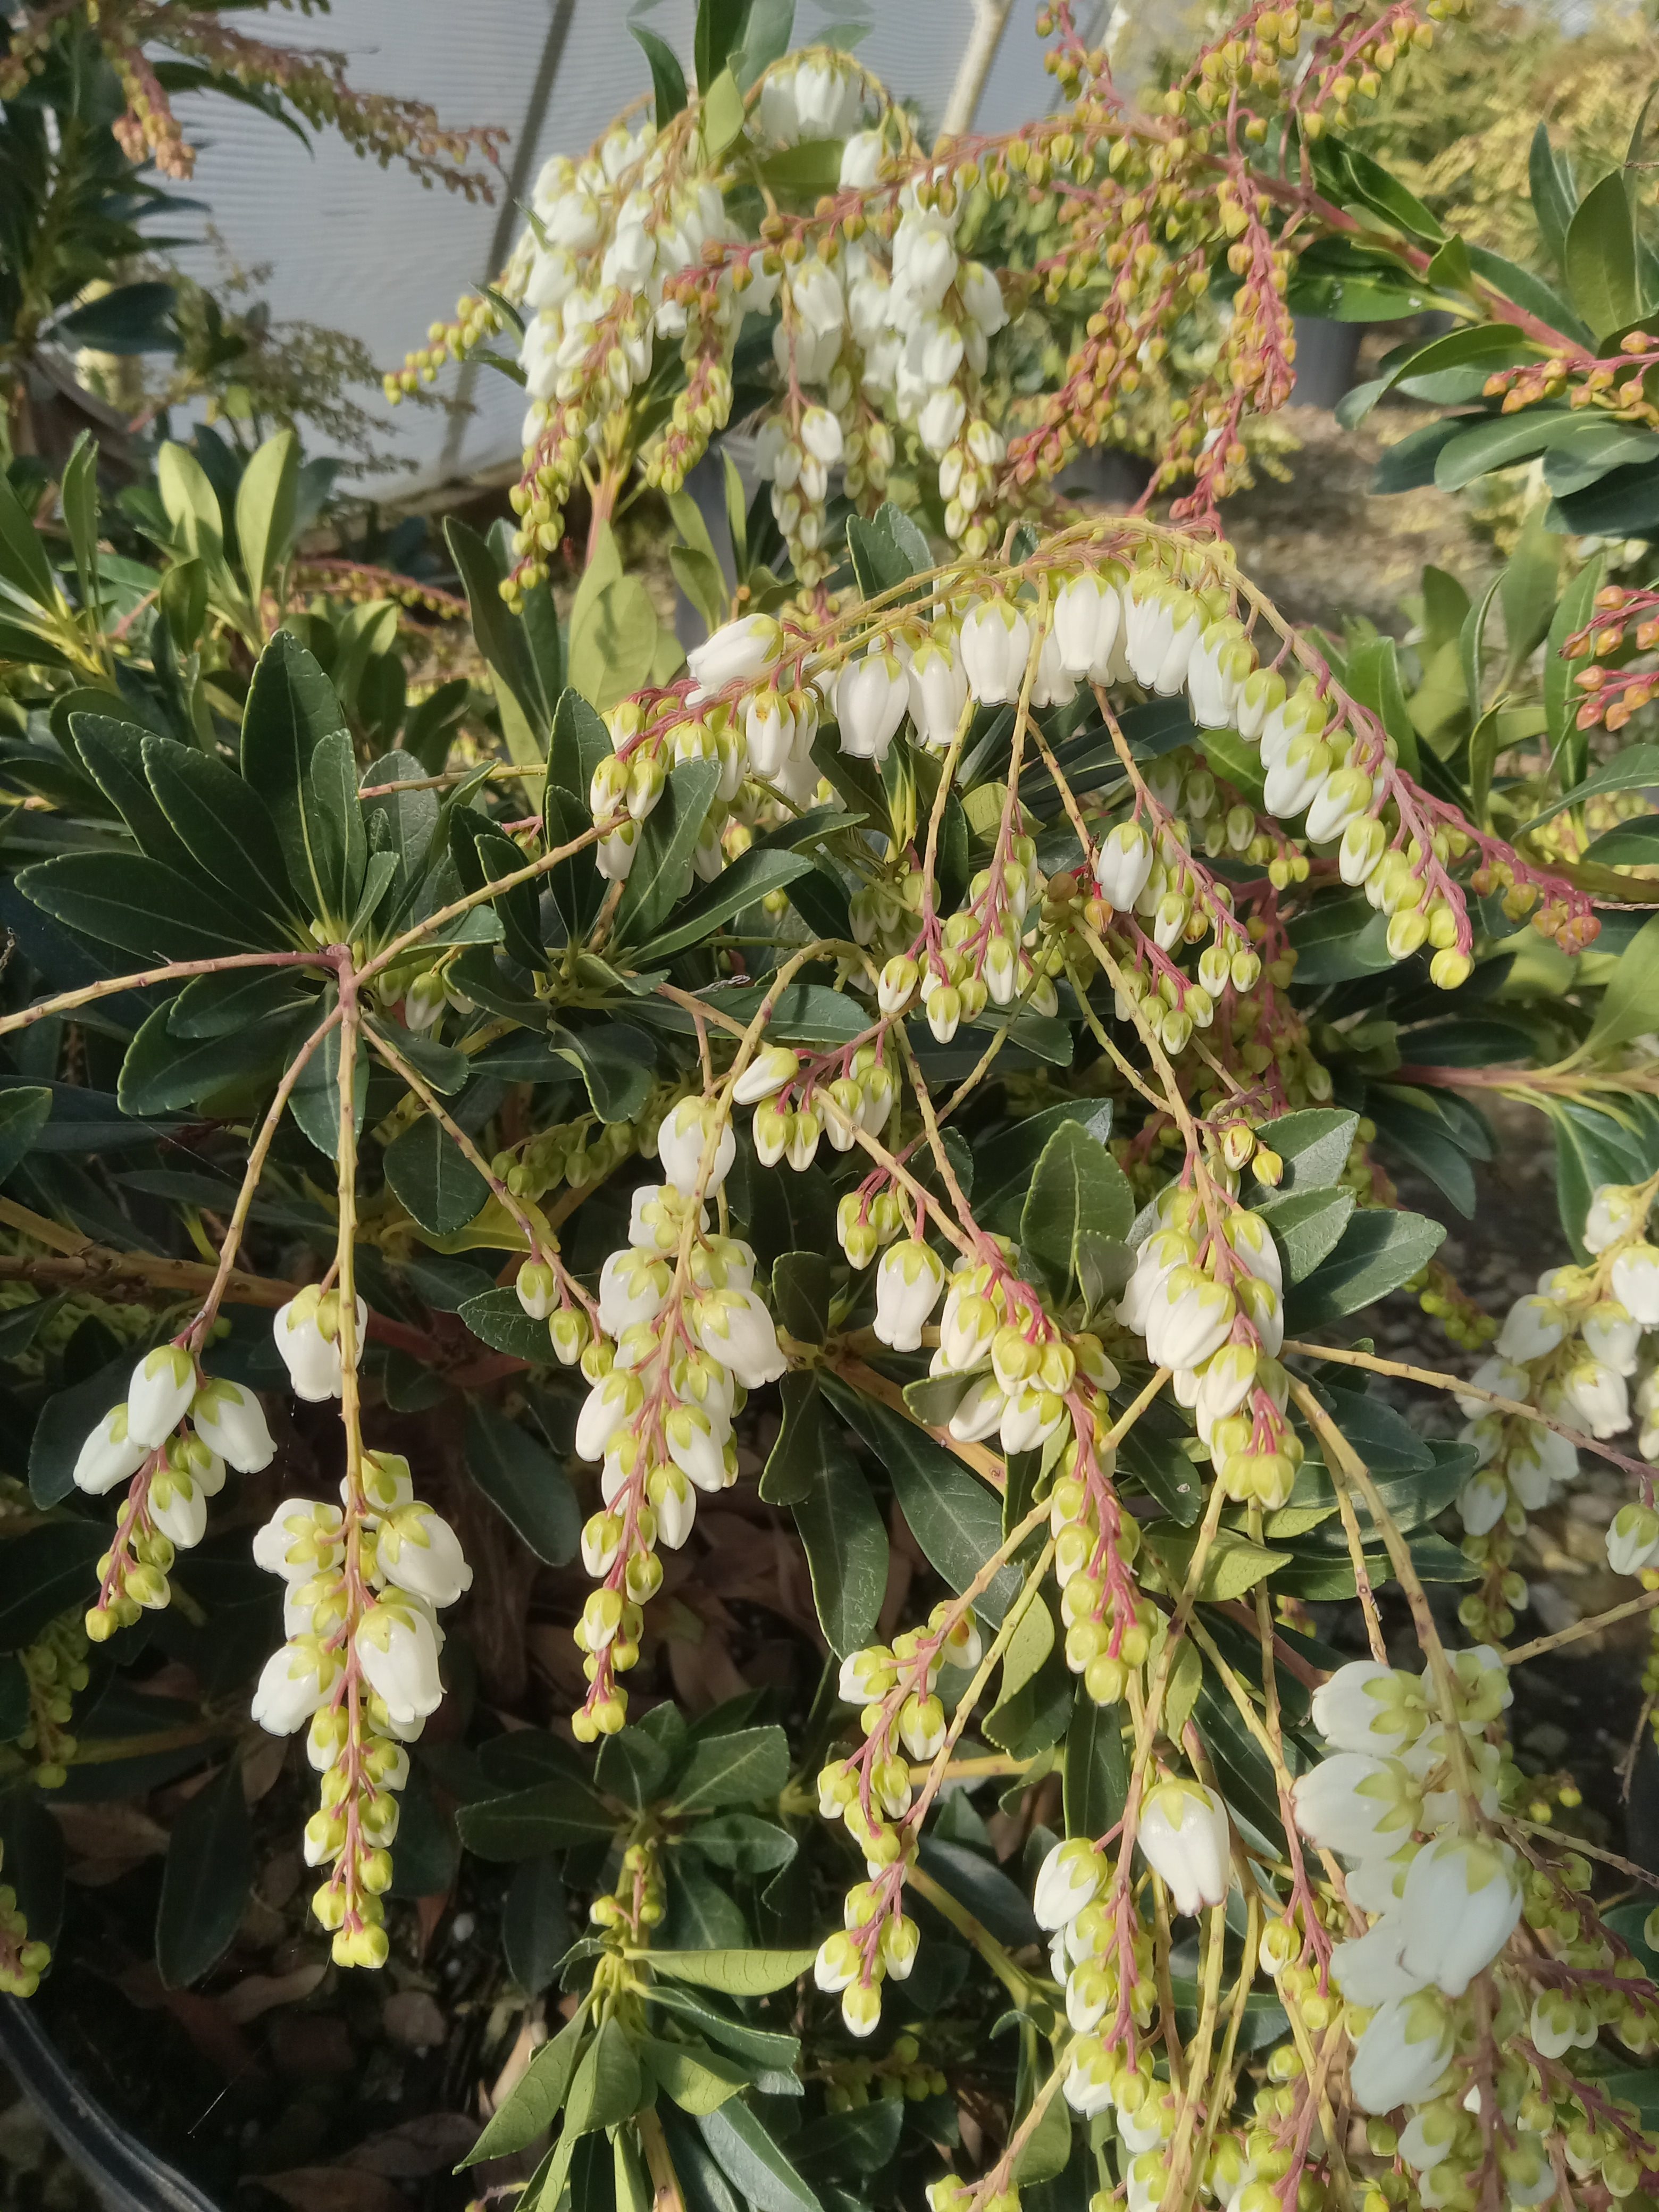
[1185, 1836]
[230, 1420]
[907, 1283]
[159, 1394]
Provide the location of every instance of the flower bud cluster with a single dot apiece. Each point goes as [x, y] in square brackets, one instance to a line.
[684, 1337]
[363, 1584]
[55, 1669]
[22, 1960]
[171, 1439]
[903, 1719]
[798, 1101]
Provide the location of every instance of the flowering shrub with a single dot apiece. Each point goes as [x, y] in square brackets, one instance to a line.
[936, 1051]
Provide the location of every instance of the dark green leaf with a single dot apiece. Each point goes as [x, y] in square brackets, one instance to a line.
[25, 1110]
[161, 1072]
[529, 1823]
[1380, 1251]
[433, 1178]
[1314, 1145]
[1078, 1188]
[748, 1768]
[667, 78]
[520, 1477]
[291, 709]
[845, 1543]
[749, 878]
[747, 2153]
[205, 1881]
[1599, 259]
[535, 1924]
[1306, 1226]
[1096, 1768]
[141, 906]
[496, 1318]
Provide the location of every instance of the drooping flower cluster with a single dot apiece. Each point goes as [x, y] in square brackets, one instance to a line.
[1409, 1798]
[1206, 1294]
[685, 1337]
[170, 1439]
[1573, 1348]
[871, 1792]
[364, 1581]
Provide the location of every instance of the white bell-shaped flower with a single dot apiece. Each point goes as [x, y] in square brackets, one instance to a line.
[996, 644]
[230, 1420]
[110, 1455]
[158, 1396]
[419, 1552]
[1461, 1902]
[1349, 1801]
[683, 1139]
[1370, 1969]
[609, 1406]
[1066, 1881]
[1532, 1327]
[938, 684]
[1636, 1283]
[1403, 2053]
[907, 1283]
[738, 653]
[1124, 864]
[293, 1683]
[396, 1647]
[1185, 1837]
[872, 694]
[1365, 1706]
[1087, 612]
[734, 1328]
[1613, 1213]
[1633, 1540]
[1597, 1394]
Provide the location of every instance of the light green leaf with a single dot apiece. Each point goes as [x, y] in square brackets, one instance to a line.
[1380, 1251]
[747, 2155]
[1307, 1226]
[1079, 1188]
[735, 1973]
[265, 509]
[1630, 1005]
[531, 2108]
[846, 1542]
[699, 2079]
[1600, 258]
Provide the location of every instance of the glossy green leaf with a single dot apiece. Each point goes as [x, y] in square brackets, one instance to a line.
[699, 2079]
[522, 1479]
[1599, 257]
[751, 877]
[535, 1924]
[526, 1824]
[1306, 1225]
[734, 1973]
[291, 709]
[206, 1879]
[667, 78]
[433, 1178]
[747, 2153]
[845, 1543]
[1079, 1189]
[266, 507]
[1096, 1768]
[1313, 1143]
[748, 1768]
[141, 906]
[662, 874]
[1380, 1251]
[25, 1110]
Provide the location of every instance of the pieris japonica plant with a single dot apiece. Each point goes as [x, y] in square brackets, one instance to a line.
[832, 1188]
